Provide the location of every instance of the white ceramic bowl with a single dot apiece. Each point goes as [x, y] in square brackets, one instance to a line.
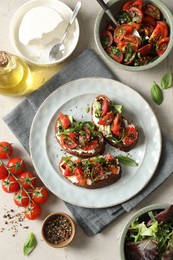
[40, 55]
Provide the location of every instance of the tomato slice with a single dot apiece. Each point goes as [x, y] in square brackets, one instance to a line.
[68, 171]
[105, 105]
[135, 14]
[160, 31]
[106, 38]
[115, 53]
[65, 121]
[162, 45]
[107, 119]
[145, 50]
[138, 4]
[149, 20]
[80, 176]
[90, 145]
[68, 141]
[121, 31]
[152, 11]
[131, 136]
[129, 50]
[116, 125]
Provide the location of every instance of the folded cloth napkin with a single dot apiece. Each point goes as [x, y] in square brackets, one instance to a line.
[87, 64]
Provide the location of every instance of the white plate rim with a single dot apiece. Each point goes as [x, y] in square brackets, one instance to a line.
[67, 191]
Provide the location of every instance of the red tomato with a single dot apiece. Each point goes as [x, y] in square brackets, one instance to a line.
[65, 121]
[32, 211]
[106, 38]
[113, 169]
[149, 20]
[131, 136]
[162, 45]
[6, 150]
[104, 105]
[3, 172]
[121, 31]
[129, 51]
[115, 53]
[91, 145]
[145, 50]
[39, 195]
[132, 39]
[16, 165]
[107, 119]
[68, 171]
[79, 175]
[135, 14]
[97, 171]
[152, 11]
[116, 125]
[142, 60]
[27, 180]
[10, 184]
[68, 141]
[138, 4]
[160, 31]
[21, 198]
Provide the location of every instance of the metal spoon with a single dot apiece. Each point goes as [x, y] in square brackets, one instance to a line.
[108, 12]
[59, 47]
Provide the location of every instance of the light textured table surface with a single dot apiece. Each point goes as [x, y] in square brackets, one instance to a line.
[105, 245]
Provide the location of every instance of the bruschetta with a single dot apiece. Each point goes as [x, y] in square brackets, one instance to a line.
[118, 130]
[78, 138]
[91, 173]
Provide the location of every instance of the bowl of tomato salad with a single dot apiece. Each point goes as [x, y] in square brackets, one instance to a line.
[125, 49]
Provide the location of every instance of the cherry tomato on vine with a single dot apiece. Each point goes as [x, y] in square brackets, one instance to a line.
[16, 165]
[27, 180]
[32, 211]
[3, 172]
[39, 195]
[21, 198]
[6, 150]
[10, 184]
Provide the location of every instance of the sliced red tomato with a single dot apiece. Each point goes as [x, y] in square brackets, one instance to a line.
[145, 50]
[138, 4]
[39, 195]
[147, 29]
[65, 121]
[137, 26]
[115, 53]
[152, 11]
[16, 165]
[160, 31]
[131, 136]
[68, 171]
[133, 39]
[129, 51]
[121, 31]
[90, 145]
[104, 105]
[106, 38]
[149, 20]
[3, 172]
[97, 171]
[162, 45]
[107, 119]
[113, 168]
[21, 198]
[6, 150]
[10, 184]
[32, 211]
[116, 125]
[68, 141]
[135, 14]
[80, 176]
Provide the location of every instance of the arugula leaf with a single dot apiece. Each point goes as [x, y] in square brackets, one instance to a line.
[29, 244]
[156, 94]
[166, 81]
[126, 160]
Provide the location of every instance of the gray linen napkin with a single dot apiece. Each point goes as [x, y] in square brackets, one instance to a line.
[87, 64]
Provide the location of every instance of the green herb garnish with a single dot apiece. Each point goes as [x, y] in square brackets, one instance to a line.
[126, 160]
[156, 94]
[29, 244]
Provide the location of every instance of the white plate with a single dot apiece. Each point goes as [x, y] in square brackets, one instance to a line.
[72, 98]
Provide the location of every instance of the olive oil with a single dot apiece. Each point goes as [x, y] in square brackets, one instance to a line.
[15, 76]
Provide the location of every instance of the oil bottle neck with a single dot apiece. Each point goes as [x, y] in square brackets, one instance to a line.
[7, 62]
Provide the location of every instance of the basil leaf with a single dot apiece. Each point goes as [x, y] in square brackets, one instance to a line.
[29, 244]
[166, 81]
[156, 94]
[126, 160]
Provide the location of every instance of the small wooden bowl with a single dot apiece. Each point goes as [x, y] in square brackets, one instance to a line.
[58, 229]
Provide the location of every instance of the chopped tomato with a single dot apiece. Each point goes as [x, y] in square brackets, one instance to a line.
[113, 168]
[149, 20]
[129, 51]
[106, 38]
[131, 136]
[97, 171]
[133, 39]
[160, 31]
[68, 171]
[80, 176]
[115, 53]
[104, 105]
[68, 141]
[137, 26]
[107, 119]
[145, 50]
[65, 121]
[90, 145]
[116, 125]
[135, 14]
[121, 31]
[152, 11]
[138, 4]
[162, 45]
[142, 60]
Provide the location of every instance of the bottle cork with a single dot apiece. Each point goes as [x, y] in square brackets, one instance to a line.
[3, 59]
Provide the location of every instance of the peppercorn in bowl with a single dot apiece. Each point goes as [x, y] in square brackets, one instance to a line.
[58, 229]
[143, 37]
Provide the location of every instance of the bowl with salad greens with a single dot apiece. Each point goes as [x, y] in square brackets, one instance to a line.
[148, 235]
[143, 37]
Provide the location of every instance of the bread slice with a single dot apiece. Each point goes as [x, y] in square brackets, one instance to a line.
[91, 173]
[118, 130]
[78, 138]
